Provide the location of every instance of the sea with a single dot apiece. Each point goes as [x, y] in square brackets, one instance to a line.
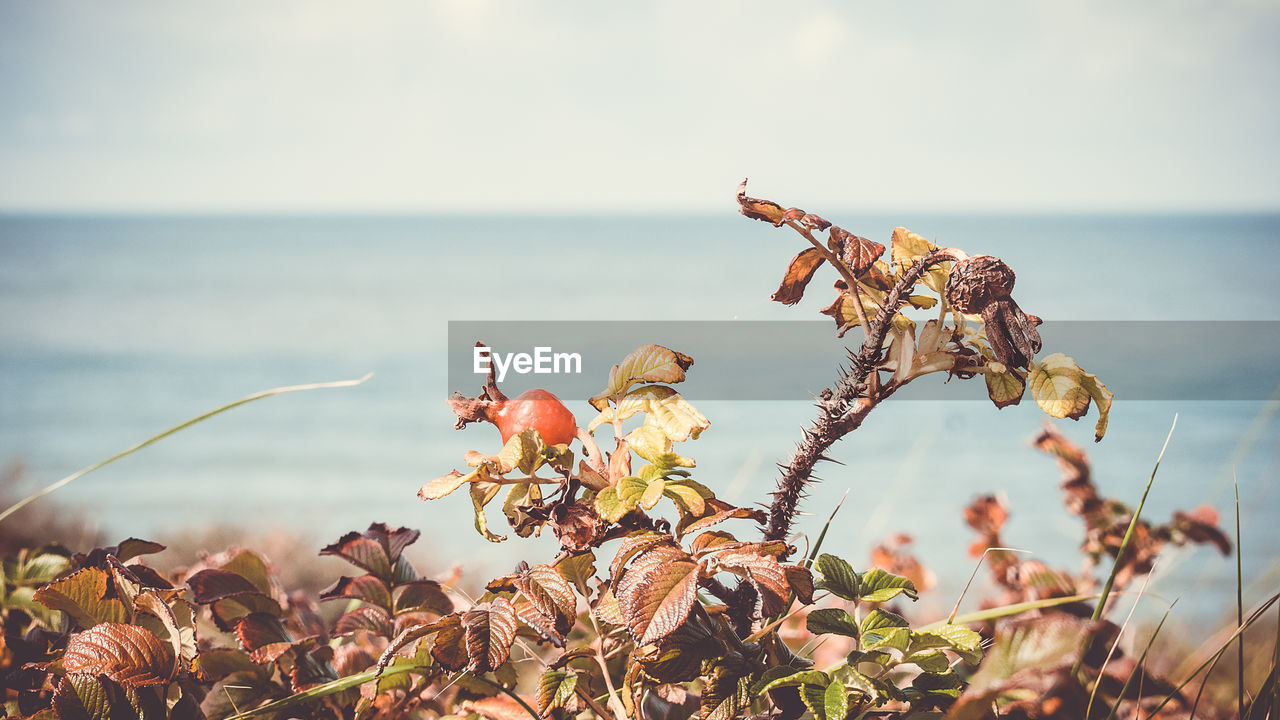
[114, 328]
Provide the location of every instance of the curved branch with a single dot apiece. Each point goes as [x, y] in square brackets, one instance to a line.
[843, 407]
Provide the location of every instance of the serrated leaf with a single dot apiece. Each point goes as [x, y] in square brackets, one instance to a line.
[555, 687]
[758, 563]
[550, 593]
[1005, 388]
[365, 588]
[39, 569]
[881, 628]
[609, 506]
[878, 586]
[82, 696]
[907, 247]
[838, 577]
[831, 621]
[362, 551]
[264, 637]
[725, 694]
[826, 703]
[490, 629]
[126, 654]
[657, 593]
[689, 496]
[676, 417]
[717, 511]
[522, 452]
[646, 364]
[804, 677]
[1056, 385]
[933, 661]
[421, 595]
[83, 596]
[366, 618]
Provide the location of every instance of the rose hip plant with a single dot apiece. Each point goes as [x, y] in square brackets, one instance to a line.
[664, 601]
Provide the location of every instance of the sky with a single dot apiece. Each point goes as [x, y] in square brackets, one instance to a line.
[473, 106]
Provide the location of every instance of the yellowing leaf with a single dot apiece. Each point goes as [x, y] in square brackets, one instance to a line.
[609, 505]
[1005, 388]
[1103, 397]
[676, 417]
[523, 451]
[635, 401]
[689, 496]
[1055, 384]
[481, 494]
[646, 364]
[1063, 390]
[908, 247]
[442, 486]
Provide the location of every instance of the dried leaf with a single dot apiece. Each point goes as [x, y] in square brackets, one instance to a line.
[368, 618]
[127, 654]
[657, 593]
[1005, 388]
[766, 210]
[798, 275]
[490, 629]
[858, 253]
[365, 588]
[555, 689]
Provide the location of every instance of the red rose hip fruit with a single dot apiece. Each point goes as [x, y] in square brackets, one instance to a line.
[539, 410]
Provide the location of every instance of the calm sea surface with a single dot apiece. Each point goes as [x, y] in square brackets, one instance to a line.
[112, 329]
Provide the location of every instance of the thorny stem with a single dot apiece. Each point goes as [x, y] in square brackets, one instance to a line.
[843, 407]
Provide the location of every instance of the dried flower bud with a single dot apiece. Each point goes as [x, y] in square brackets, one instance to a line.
[977, 281]
[981, 285]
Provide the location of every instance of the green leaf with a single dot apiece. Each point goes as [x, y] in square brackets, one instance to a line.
[689, 496]
[831, 621]
[934, 661]
[944, 683]
[804, 677]
[522, 452]
[555, 687]
[965, 642]
[826, 703]
[609, 506]
[39, 569]
[838, 577]
[881, 628]
[441, 486]
[856, 680]
[878, 586]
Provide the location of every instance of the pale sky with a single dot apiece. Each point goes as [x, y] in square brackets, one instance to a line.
[589, 106]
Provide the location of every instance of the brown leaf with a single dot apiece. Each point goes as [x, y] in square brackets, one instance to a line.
[365, 588]
[365, 552]
[1201, 526]
[127, 654]
[766, 210]
[211, 585]
[490, 629]
[369, 618]
[717, 511]
[858, 253]
[799, 273]
[657, 593]
[421, 595]
[498, 707]
[264, 637]
[632, 545]
[549, 593]
[761, 568]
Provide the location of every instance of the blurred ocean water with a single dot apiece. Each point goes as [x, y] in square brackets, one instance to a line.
[113, 328]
